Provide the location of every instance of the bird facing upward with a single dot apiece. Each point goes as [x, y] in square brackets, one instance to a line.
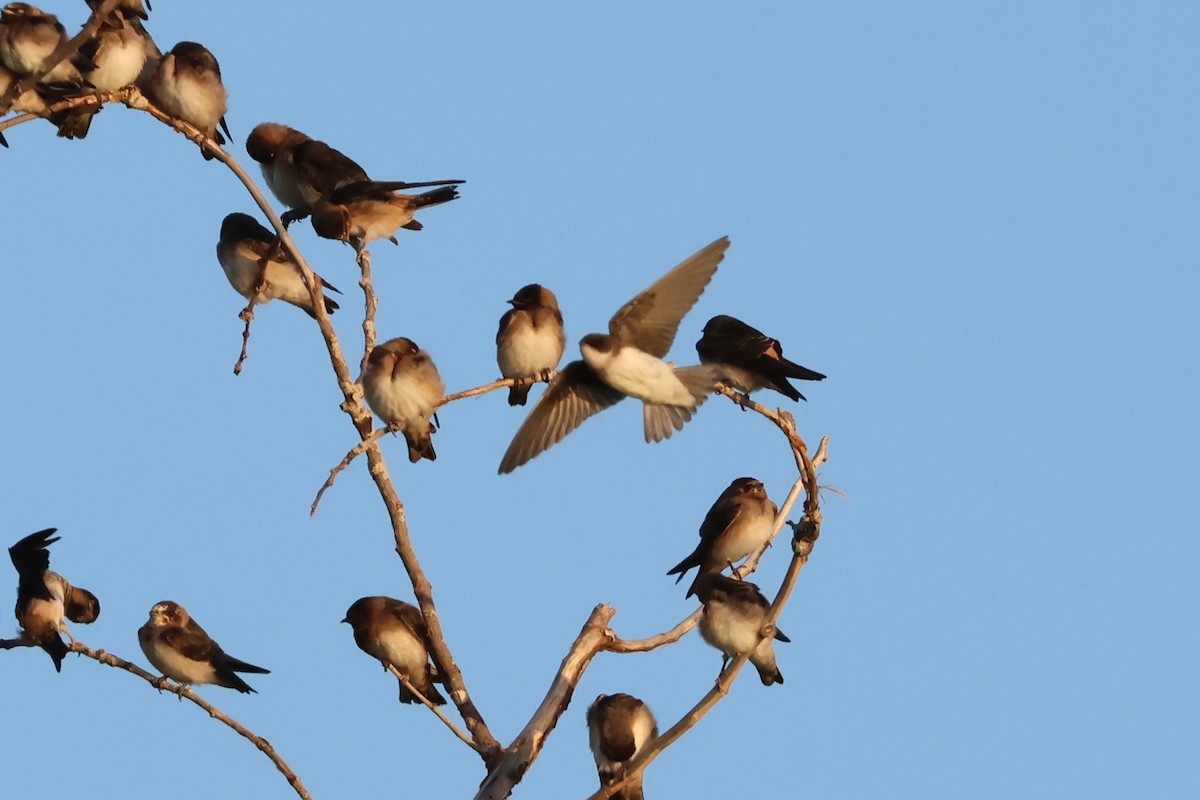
[739, 522]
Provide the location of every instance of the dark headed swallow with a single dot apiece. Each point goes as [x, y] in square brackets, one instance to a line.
[749, 359]
[402, 386]
[187, 85]
[627, 362]
[274, 145]
[28, 36]
[181, 650]
[359, 213]
[530, 341]
[619, 727]
[732, 622]
[301, 170]
[740, 522]
[241, 248]
[44, 598]
[394, 632]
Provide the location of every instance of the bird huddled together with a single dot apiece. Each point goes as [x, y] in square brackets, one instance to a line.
[400, 381]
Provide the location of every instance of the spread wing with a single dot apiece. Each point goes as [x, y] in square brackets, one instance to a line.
[575, 394]
[31, 557]
[650, 320]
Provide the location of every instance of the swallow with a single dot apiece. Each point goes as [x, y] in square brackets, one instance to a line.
[732, 622]
[180, 649]
[126, 8]
[403, 387]
[115, 57]
[45, 597]
[627, 362]
[187, 85]
[274, 145]
[395, 633]
[28, 102]
[619, 727]
[28, 36]
[741, 521]
[359, 213]
[530, 341]
[241, 248]
[749, 359]
[300, 170]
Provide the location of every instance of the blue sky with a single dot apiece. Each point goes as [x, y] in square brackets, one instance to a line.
[979, 221]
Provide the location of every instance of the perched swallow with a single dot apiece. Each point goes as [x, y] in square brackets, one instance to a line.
[181, 650]
[530, 341]
[619, 727]
[45, 597]
[359, 213]
[732, 622]
[749, 359]
[28, 102]
[115, 57]
[740, 522]
[126, 8]
[241, 248]
[28, 36]
[187, 85]
[274, 145]
[627, 362]
[402, 386]
[394, 632]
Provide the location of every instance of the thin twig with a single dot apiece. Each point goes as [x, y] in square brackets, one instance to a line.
[361, 447]
[214, 712]
[354, 453]
[618, 645]
[370, 306]
[247, 314]
[61, 53]
[437, 711]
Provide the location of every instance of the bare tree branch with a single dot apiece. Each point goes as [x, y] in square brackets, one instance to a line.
[61, 53]
[519, 755]
[214, 712]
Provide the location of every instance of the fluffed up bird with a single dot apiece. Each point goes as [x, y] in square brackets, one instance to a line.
[115, 57]
[530, 341]
[750, 359]
[28, 36]
[627, 362]
[187, 85]
[395, 633]
[45, 597]
[359, 213]
[619, 727]
[240, 249]
[741, 521]
[732, 622]
[180, 649]
[403, 387]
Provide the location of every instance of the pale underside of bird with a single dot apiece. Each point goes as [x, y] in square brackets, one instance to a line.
[627, 362]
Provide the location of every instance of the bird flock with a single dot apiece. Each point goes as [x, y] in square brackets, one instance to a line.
[400, 381]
